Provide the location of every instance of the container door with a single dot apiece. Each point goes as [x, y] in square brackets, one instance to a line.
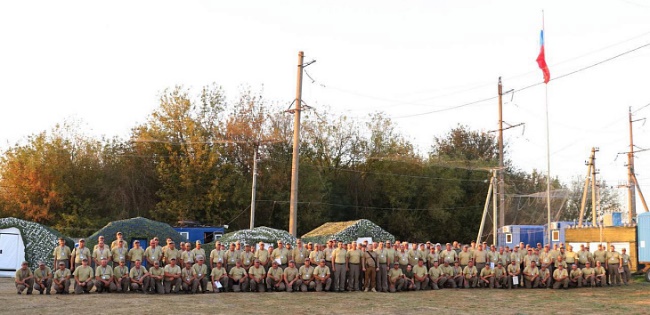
[9, 259]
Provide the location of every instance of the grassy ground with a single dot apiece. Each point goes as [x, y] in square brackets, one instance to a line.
[633, 299]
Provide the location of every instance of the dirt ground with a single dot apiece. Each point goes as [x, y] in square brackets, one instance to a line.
[632, 299]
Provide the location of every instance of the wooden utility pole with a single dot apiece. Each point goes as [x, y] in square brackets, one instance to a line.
[253, 192]
[486, 207]
[585, 190]
[631, 193]
[501, 191]
[293, 202]
[593, 187]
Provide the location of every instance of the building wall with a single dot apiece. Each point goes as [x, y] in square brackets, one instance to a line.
[607, 235]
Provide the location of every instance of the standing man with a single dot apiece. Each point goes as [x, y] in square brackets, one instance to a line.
[247, 257]
[480, 258]
[299, 253]
[464, 257]
[449, 255]
[322, 276]
[625, 258]
[121, 276]
[24, 279]
[281, 255]
[328, 253]
[383, 262]
[370, 269]
[200, 272]
[584, 257]
[262, 255]
[136, 253]
[78, 254]
[116, 243]
[614, 262]
[43, 278]
[600, 256]
[61, 253]
[153, 253]
[118, 252]
[402, 257]
[83, 277]
[62, 279]
[232, 256]
[101, 252]
[172, 276]
[216, 255]
[339, 258]
[104, 277]
[139, 277]
[197, 250]
[353, 258]
[170, 252]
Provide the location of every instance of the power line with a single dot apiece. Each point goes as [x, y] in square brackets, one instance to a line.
[368, 207]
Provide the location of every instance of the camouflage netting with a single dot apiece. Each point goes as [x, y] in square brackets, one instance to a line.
[39, 240]
[134, 228]
[347, 231]
[254, 236]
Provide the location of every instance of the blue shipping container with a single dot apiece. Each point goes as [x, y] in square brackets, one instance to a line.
[512, 235]
[557, 232]
[643, 235]
[205, 234]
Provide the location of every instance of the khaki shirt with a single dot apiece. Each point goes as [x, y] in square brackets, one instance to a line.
[80, 253]
[600, 270]
[436, 272]
[232, 257]
[275, 273]
[600, 255]
[530, 272]
[42, 273]
[368, 257]
[105, 273]
[237, 273]
[282, 253]
[62, 275]
[188, 256]
[187, 274]
[499, 272]
[200, 270]
[493, 257]
[560, 273]
[402, 257]
[157, 272]
[257, 273]
[338, 255]
[458, 271]
[513, 270]
[116, 243]
[23, 274]
[328, 253]
[136, 254]
[153, 254]
[305, 273]
[262, 255]
[84, 273]
[480, 256]
[554, 253]
[171, 253]
[119, 253]
[449, 256]
[420, 271]
[354, 256]
[413, 257]
[217, 256]
[431, 258]
[290, 273]
[576, 273]
[61, 253]
[395, 274]
[101, 253]
[584, 257]
[382, 256]
[198, 252]
[316, 256]
[321, 271]
[485, 272]
[588, 272]
[138, 273]
[299, 255]
[613, 258]
[570, 257]
[120, 271]
[247, 258]
[447, 270]
[545, 258]
[218, 273]
[175, 270]
[464, 257]
[558, 263]
[470, 272]
[544, 273]
[626, 259]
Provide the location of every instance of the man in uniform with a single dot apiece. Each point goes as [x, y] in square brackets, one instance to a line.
[43, 278]
[471, 275]
[247, 257]
[500, 276]
[402, 257]
[353, 258]
[584, 257]
[61, 279]
[282, 254]
[486, 277]
[457, 276]
[421, 276]
[601, 274]
[370, 268]
[83, 277]
[156, 275]
[152, 253]
[274, 278]
[116, 243]
[570, 257]
[531, 275]
[480, 258]
[101, 252]
[306, 275]
[139, 277]
[257, 274]
[198, 250]
[340, 261]
[600, 255]
[172, 277]
[290, 277]
[575, 277]
[262, 255]
[216, 255]
[136, 253]
[232, 256]
[322, 276]
[464, 257]
[448, 255]
[118, 253]
[24, 279]
[545, 277]
[188, 279]
[328, 253]
[299, 253]
[317, 254]
[409, 282]
[589, 275]
[413, 254]
[188, 255]
[560, 278]
[219, 275]
[78, 254]
[238, 278]
[614, 262]
[383, 261]
[437, 276]
[200, 275]
[514, 272]
[625, 258]
[395, 279]
[121, 276]
[170, 252]
[104, 281]
[61, 253]
[448, 272]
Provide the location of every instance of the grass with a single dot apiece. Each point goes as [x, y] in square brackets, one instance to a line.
[632, 299]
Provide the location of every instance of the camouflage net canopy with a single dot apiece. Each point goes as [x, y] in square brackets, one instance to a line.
[254, 236]
[347, 231]
[39, 240]
[132, 229]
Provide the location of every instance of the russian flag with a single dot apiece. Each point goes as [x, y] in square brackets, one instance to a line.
[541, 59]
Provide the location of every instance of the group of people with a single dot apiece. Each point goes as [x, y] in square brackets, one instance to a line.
[335, 266]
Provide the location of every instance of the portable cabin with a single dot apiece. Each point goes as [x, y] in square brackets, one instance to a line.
[192, 232]
[558, 231]
[511, 235]
[643, 238]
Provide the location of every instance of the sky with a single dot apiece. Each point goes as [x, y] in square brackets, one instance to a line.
[105, 63]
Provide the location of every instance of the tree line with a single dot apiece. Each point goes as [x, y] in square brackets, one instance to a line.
[192, 159]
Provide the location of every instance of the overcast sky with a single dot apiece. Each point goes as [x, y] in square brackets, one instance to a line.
[106, 62]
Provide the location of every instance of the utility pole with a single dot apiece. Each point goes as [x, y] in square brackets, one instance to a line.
[254, 188]
[631, 193]
[593, 187]
[293, 205]
[501, 190]
[585, 190]
[495, 228]
[486, 207]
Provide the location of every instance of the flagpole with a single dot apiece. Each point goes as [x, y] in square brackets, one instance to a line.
[548, 156]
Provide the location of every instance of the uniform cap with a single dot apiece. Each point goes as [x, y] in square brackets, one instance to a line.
[173, 258]
[118, 233]
[61, 263]
[395, 264]
[198, 241]
[41, 263]
[82, 240]
[25, 263]
[247, 245]
[322, 260]
[273, 262]
[293, 261]
[84, 259]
